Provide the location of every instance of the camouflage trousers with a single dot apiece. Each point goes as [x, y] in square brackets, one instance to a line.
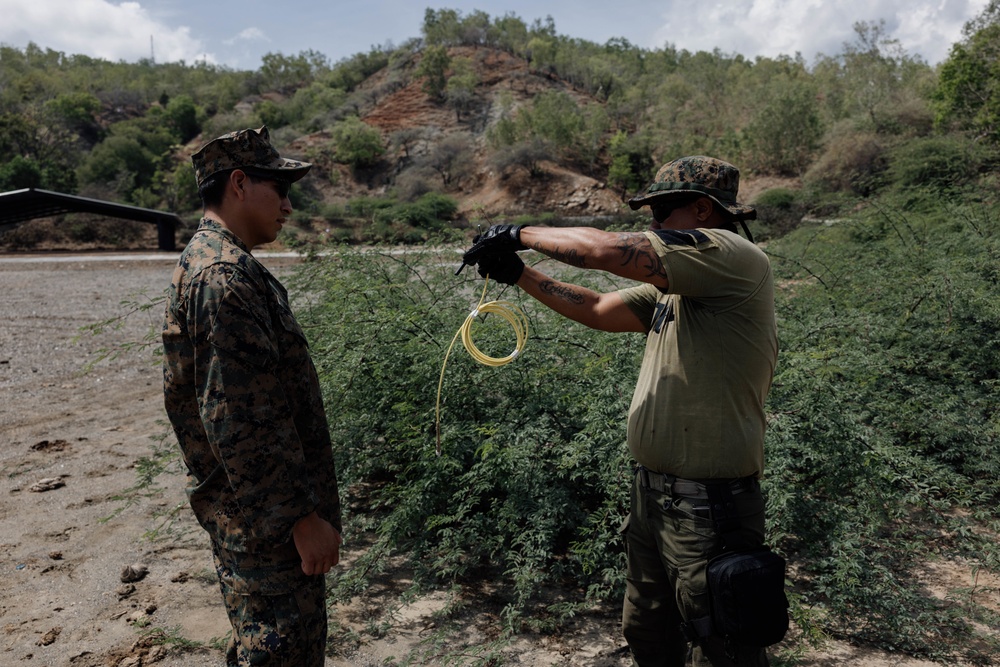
[278, 613]
[669, 541]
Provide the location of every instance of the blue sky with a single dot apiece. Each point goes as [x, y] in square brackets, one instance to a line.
[238, 34]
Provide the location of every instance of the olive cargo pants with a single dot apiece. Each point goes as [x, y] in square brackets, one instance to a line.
[669, 540]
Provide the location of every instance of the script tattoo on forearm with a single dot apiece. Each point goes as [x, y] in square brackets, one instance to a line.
[571, 257]
[564, 292]
[636, 250]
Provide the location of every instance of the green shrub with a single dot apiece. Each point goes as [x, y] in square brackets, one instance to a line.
[356, 143]
[881, 449]
[532, 476]
[851, 161]
[332, 212]
[882, 442]
[946, 162]
[779, 211]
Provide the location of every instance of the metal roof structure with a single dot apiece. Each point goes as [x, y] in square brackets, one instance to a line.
[20, 206]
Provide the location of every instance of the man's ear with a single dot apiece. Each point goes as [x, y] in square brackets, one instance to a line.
[703, 208]
[237, 183]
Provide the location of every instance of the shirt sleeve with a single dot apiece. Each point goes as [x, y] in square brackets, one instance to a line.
[243, 405]
[641, 300]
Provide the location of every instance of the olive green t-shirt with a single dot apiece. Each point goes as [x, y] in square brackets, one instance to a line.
[711, 348]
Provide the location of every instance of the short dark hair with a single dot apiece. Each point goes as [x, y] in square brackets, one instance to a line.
[213, 189]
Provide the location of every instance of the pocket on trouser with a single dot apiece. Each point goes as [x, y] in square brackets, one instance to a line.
[689, 540]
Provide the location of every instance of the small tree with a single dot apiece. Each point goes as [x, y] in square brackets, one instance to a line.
[969, 91]
[631, 165]
[356, 143]
[451, 157]
[434, 66]
[460, 89]
[785, 133]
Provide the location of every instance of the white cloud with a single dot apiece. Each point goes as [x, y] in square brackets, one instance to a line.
[810, 27]
[248, 35]
[97, 28]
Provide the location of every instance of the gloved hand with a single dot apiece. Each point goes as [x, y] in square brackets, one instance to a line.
[498, 239]
[506, 268]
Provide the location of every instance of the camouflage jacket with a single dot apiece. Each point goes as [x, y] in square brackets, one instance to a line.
[243, 397]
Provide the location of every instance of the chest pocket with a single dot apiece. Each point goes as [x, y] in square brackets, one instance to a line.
[285, 321]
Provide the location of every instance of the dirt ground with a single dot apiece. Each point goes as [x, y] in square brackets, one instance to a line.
[71, 445]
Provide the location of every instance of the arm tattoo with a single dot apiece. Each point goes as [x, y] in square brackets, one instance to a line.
[636, 250]
[571, 257]
[564, 292]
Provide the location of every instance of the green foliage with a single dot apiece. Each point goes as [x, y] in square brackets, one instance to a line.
[881, 448]
[20, 173]
[311, 104]
[460, 90]
[434, 67]
[282, 72]
[386, 220]
[532, 477]
[853, 161]
[182, 115]
[969, 93]
[883, 439]
[785, 132]
[356, 143]
[553, 120]
[76, 111]
[779, 211]
[943, 163]
[631, 165]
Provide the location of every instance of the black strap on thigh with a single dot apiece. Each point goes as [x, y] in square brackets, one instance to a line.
[723, 509]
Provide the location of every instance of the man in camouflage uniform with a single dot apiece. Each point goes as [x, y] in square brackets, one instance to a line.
[244, 400]
[706, 306]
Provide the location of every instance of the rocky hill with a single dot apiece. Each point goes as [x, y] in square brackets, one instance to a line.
[481, 189]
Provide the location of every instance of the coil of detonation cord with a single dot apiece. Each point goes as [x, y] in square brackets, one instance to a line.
[509, 312]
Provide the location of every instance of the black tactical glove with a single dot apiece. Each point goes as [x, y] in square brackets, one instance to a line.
[506, 268]
[498, 239]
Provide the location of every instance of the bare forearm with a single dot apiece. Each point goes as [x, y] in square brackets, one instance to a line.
[627, 254]
[605, 312]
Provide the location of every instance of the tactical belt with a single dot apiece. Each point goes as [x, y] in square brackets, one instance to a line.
[687, 488]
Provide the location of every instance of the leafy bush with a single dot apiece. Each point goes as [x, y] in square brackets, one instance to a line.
[532, 478]
[852, 161]
[937, 162]
[882, 448]
[386, 220]
[19, 173]
[356, 143]
[785, 132]
[881, 451]
[779, 211]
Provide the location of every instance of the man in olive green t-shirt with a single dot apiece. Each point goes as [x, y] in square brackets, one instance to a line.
[706, 305]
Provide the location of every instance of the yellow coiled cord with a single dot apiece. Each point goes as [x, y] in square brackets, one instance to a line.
[508, 311]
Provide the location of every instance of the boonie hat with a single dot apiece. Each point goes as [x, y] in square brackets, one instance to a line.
[245, 149]
[718, 180]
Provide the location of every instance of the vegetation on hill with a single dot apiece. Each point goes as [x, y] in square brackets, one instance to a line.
[882, 446]
[493, 113]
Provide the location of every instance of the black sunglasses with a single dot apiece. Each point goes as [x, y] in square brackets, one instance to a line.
[282, 186]
[661, 210]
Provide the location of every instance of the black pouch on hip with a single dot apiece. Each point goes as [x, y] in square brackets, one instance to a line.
[747, 590]
[746, 585]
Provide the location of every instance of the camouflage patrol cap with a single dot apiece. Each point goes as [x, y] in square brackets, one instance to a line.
[245, 149]
[718, 180]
